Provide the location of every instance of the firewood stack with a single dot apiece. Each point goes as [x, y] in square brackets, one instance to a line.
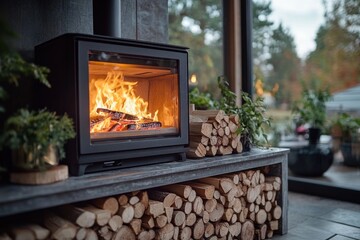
[232, 206]
[212, 132]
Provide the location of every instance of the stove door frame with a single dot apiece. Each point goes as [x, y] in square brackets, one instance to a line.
[86, 146]
[67, 58]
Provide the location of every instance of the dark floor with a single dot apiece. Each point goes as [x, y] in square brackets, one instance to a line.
[317, 218]
[340, 175]
[339, 182]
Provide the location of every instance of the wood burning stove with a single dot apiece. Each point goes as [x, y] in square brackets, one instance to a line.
[128, 99]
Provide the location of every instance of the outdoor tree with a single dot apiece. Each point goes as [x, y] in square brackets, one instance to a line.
[285, 65]
[198, 25]
[335, 61]
[262, 31]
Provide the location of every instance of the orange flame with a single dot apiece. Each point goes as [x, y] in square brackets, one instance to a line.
[114, 93]
[102, 125]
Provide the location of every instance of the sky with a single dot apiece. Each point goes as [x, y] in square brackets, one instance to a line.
[302, 18]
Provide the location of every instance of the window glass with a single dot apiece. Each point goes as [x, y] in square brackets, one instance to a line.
[198, 26]
[315, 43]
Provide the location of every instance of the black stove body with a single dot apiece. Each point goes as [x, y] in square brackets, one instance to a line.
[128, 99]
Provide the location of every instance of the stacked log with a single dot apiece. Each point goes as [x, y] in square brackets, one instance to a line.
[212, 132]
[231, 206]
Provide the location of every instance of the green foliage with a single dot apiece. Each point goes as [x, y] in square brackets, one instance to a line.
[33, 132]
[251, 113]
[201, 100]
[253, 120]
[227, 101]
[276, 62]
[349, 125]
[5, 35]
[262, 29]
[286, 65]
[191, 22]
[13, 68]
[311, 107]
[335, 61]
[262, 32]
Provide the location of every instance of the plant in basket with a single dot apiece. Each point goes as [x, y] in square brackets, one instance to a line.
[201, 100]
[253, 121]
[313, 159]
[251, 114]
[13, 70]
[311, 110]
[346, 128]
[36, 138]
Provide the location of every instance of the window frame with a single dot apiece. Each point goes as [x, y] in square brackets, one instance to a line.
[238, 62]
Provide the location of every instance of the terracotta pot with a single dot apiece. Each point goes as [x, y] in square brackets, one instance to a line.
[336, 131]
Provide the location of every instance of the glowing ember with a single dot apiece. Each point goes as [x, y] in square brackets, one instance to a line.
[113, 101]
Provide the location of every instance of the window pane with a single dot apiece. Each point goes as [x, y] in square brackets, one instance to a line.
[198, 25]
[316, 43]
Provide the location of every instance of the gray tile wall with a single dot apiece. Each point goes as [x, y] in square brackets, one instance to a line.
[36, 21]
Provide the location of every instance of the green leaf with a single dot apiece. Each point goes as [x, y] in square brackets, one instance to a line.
[251, 113]
[34, 131]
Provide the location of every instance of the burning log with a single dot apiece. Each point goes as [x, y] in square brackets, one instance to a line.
[132, 125]
[117, 127]
[116, 115]
[120, 121]
[144, 126]
[96, 120]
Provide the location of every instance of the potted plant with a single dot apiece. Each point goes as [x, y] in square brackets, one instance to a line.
[253, 121]
[311, 109]
[202, 101]
[346, 129]
[251, 113]
[37, 138]
[313, 159]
